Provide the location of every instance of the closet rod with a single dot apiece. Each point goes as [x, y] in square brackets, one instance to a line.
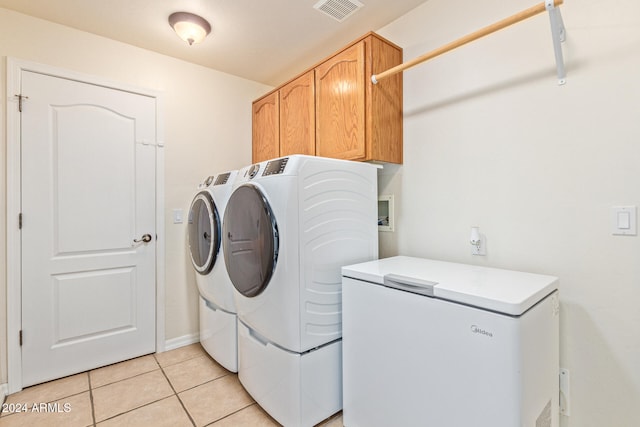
[513, 19]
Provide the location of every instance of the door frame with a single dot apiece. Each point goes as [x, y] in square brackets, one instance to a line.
[15, 67]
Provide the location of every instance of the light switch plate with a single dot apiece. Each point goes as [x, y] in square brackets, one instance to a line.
[177, 216]
[623, 220]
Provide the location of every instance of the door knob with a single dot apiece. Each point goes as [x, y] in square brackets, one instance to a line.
[146, 238]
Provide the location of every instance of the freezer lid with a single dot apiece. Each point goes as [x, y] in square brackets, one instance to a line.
[503, 291]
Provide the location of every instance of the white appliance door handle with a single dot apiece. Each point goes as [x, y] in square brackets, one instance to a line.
[409, 284]
[258, 338]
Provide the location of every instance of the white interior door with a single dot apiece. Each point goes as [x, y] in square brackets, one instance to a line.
[88, 190]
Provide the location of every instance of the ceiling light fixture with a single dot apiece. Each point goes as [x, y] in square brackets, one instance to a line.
[189, 27]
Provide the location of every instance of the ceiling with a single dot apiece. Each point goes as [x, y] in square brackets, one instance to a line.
[268, 41]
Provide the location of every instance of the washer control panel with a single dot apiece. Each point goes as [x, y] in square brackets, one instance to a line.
[275, 167]
[222, 178]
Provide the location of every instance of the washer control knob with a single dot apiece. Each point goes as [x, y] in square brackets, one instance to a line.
[253, 171]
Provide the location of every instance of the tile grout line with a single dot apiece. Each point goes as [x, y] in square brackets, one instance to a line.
[176, 393]
[137, 407]
[206, 382]
[195, 356]
[5, 414]
[92, 388]
[124, 379]
[93, 412]
[232, 413]
[146, 404]
[160, 368]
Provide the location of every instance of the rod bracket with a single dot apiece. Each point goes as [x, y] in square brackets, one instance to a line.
[558, 35]
[373, 79]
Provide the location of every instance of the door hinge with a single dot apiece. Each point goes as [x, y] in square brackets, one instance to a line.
[20, 221]
[20, 337]
[20, 99]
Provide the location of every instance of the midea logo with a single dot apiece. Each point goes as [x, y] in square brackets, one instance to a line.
[476, 330]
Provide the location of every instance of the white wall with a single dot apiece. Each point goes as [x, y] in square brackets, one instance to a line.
[491, 140]
[207, 118]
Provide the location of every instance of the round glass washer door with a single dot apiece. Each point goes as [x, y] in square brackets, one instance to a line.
[250, 240]
[203, 232]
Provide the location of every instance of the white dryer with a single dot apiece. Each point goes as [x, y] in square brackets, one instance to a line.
[290, 225]
[217, 310]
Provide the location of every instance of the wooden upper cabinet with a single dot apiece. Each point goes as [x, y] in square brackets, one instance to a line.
[266, 128]
[334, 110]
[340, 105]
[355, 119]
[297, 116]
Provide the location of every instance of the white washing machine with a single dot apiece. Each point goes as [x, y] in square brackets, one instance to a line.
[290, 225]
[217, 310]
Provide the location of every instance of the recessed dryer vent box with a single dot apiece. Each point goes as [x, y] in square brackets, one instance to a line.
[385, 213]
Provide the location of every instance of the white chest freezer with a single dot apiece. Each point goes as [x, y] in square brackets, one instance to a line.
[437, 344]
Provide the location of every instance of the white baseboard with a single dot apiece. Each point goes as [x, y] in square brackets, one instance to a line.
[4, 391]
[178, 342]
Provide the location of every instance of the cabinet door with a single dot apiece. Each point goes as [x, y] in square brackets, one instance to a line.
[266, 128]
[297, 116]
[340, 105]
[384, 105]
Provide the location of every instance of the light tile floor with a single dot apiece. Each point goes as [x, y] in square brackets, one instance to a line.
[181, 387]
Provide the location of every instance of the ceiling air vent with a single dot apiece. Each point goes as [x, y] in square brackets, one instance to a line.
[338, 9]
